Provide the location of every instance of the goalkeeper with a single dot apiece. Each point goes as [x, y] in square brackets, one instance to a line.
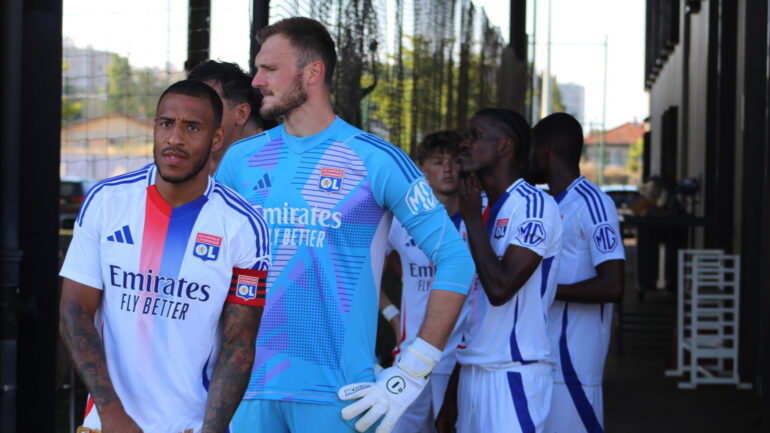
[329, 191]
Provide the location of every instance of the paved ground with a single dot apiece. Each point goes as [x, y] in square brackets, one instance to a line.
[639, 398]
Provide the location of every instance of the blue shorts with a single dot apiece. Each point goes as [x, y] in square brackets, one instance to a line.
[253, 416]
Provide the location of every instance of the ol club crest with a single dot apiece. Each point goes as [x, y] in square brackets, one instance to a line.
[246, 288]
[331, 179]
[207, 246]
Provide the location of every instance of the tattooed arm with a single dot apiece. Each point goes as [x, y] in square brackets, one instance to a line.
[77, 308]
[233, 368]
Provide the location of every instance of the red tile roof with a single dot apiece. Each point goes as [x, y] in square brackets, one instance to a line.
[627, 133]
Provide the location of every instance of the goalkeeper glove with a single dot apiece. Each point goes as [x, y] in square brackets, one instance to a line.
[396, 388]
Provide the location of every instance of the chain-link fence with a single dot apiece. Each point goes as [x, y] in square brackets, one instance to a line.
[406, 68]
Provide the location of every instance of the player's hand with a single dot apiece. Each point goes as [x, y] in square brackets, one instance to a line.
[393, 392]
[395, 389]
[118, 421]
[470, 197]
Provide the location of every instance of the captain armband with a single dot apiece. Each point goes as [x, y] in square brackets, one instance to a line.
[248, 287]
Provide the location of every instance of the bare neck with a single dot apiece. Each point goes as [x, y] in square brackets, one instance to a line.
[497, 179]
[310, 118]
[179, 194]
[450, 201]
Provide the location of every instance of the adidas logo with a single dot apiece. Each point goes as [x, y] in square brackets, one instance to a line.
[263, 183]
[122, 236]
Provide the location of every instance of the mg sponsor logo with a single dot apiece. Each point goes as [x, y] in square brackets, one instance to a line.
[605, 238]
[420, 197]
[531, 233]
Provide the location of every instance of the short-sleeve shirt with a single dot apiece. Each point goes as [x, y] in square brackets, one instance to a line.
[165, 275]
[329, 199]
[580, 332]
[416, 281]
[515, 332]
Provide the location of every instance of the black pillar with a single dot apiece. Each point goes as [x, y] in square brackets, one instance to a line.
[38, 213]
[259, 19]
[720, 123]
[10, 255]
[754, 355]
[198, 33]
[513, 79]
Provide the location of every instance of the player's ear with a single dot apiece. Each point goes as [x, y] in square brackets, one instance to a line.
[314, 73]
[218, 140]
[242, 113]
[505, 146]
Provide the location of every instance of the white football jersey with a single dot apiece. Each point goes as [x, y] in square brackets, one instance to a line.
[515, 332]
[165, 274]
[580, 332]
[417, 278]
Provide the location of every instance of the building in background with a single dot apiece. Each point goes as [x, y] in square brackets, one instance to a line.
[573, 98]
[707, 75]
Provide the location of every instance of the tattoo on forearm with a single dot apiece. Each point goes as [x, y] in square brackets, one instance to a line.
[87, 351]
[233, 367]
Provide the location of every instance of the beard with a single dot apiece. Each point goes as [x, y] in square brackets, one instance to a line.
[198, 165]
[295, 96]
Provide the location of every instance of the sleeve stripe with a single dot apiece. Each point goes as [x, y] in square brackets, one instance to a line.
[593, 191]
[404, 163]
[257, 222]
[535, 201]
[593, 203]
[588, 204]
[119, 180]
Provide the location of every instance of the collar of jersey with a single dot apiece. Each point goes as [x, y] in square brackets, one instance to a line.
[559, 197]
[163, 206]
[303, 144]
[494, 209]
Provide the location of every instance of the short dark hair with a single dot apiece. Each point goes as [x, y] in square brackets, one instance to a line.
[563, 134]
[235, 84]
[514, 126]
[440, 141]
[309, 37]
[196, 89]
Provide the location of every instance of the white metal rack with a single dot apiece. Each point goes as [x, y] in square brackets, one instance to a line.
[707, 318]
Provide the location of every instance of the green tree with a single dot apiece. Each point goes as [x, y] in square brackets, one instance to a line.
[70, 108]
[122, 95]
[634, 163]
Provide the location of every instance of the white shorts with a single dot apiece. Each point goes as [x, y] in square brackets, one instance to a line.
[511, 400]
[419, 417]
[576, 408]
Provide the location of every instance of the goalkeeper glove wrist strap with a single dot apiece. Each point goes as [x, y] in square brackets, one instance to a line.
[420, 358]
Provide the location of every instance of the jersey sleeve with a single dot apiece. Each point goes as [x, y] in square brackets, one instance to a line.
[83, 261]
[248, 285]
[531, 224]
[600, 226]
[400, 187]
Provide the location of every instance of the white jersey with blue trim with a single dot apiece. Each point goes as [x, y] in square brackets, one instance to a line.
[416, 281]
[580, 332]
[329, 199]
[165, 275]
[515, 332]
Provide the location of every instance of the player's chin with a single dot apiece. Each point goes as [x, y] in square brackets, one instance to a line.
[174, 174]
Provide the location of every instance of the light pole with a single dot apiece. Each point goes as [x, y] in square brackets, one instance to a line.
[602, 143]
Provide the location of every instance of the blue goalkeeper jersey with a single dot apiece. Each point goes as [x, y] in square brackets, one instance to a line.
[328, 200]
